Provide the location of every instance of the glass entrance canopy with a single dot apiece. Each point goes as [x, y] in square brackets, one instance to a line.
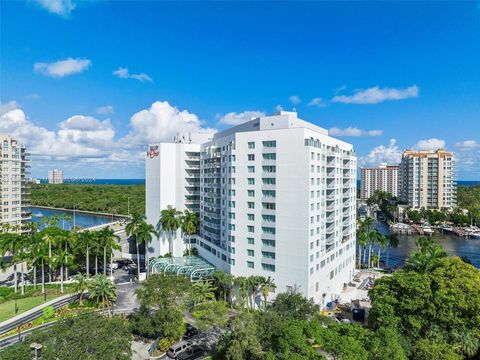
[192, 266]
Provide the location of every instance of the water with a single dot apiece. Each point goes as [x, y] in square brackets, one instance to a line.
[454, 245]
[83, 220]
[93, 181]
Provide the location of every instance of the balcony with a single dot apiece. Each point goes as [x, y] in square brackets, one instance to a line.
[330, 229]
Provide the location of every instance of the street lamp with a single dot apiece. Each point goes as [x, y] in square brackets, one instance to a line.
[36, 347]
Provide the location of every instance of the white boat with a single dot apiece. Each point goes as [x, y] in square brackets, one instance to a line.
[447, 228]
[427, 230]
[475, 235]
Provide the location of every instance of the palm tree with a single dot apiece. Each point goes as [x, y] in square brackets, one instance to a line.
[243, 287]
[81, 285]
[368, 224]
[60, 260]
[255, 282]
[202, 291]
[392, 242]
[109, 241]
[9, 244]
[103, 290]
[266, 287]
[372, 236]
[224, 281]
[48, 239]
[382, 242]
[189, 223]
[86, 240]
[132, 229]
[170, 223]
[362, 242]
[144, 235]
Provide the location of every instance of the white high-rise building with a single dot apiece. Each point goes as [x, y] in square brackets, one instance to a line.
[55, 176]
[14, 202]
[383, 178]
[277, 198]
[427, 179]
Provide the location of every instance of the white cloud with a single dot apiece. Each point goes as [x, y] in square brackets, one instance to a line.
[59, 7]
[234, 118]
[105, 110]
[390, 154]
[353, 131]
[318, 102]
[123, 73]
[86, 140]
[32, 96]
[161, 122]
[6, 107]
[279, 108]
[377, 95]
[430, 144]
[468, 145]
[295, 99]
[62, 68]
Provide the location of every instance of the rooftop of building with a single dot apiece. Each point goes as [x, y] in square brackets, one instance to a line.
[426, 153]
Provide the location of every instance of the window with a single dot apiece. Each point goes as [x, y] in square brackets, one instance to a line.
[251, 169]
[250, 264]
[268, 267]
[251, 157]
[269, 168]
[268, 206]
[251, 145]
[268, 254]
[251, 193]
[231, 215]
[269, 181]
[268, 218]
[251, 205]
[251, 217]
[251, 181]
[269, 156]
[250, 252]
[268, 242]
[268, 230]
[251, 228]
[269, 144]
[268, 193]
[250, 241]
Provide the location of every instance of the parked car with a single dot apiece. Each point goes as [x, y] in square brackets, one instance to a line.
[190, 331]
[195, 352]
[178, 348]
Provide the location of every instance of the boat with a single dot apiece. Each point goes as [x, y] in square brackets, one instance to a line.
[427, 230]
[447, 228]
[475, 235]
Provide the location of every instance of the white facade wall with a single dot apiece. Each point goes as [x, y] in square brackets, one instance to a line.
[383, 177]
[172, 176]
[55, 176]
[312, 248]
[14, 193]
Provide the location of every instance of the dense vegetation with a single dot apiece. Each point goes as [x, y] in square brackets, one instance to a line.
[88, 337]
[468, 197]
[101, 198]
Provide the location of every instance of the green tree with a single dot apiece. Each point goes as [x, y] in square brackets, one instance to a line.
[131, 229]
[425, 349]
[87, 337]
[267, 285]
[189, 224]
[211, 313]
[294, 306]
[202, 291]
[170, 222]
[241, 342]
[224, 283]
[103, 290]
[144, 236]
[80, 286]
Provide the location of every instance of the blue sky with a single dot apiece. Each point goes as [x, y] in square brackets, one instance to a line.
[86, 84]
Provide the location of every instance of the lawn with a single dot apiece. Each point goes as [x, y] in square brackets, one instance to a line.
[7, 308]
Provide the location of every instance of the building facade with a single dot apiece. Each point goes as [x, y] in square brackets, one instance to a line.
[276, 198]
[14, 195]
[55, 176]
[383, 178]
[427, 179]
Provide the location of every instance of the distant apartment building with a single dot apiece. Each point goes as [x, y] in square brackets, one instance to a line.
[55, 176]
[383, 177]
[275, 197]
[427, 179]
[14, 164]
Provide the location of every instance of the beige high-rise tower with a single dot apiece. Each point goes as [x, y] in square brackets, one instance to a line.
[427, 179]
[14, 202]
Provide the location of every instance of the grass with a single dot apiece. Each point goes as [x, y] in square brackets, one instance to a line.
[7, 308]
